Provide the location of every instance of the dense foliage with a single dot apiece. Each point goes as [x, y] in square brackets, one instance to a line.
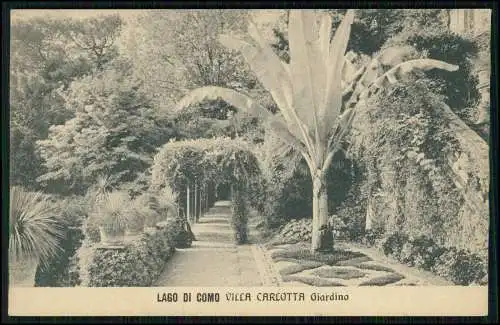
[457, 265]
[404, 177]
[217, 161]
[93, 98]
[62, 270]
[138, 264]
[47, 55]
[115, 131]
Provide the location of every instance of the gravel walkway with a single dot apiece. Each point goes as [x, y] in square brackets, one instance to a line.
[214, 259]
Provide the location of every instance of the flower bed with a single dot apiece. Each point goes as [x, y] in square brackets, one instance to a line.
[138, 263]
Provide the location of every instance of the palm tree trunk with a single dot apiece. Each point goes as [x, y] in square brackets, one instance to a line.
[320, 211]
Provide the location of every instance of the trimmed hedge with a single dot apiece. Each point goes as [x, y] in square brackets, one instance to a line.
[139, 263]
[457, 265]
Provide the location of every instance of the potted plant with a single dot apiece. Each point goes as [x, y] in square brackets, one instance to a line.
[168, 202]
[135, 223]
[151, 219]
[111, 217]
[35, 232]
[147, 207]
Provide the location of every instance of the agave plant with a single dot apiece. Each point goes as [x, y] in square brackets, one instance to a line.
[168, 201]
[112, 216]
[35, 232]
[316, 93]
[147, 206]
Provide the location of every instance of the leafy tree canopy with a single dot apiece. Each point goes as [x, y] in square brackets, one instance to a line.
[115, 132]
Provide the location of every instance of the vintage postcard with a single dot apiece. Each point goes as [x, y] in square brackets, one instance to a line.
[241, 162]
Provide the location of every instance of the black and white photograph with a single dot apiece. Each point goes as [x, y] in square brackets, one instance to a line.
[290, 148]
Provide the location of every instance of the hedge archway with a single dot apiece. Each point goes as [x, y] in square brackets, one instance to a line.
[194, 168]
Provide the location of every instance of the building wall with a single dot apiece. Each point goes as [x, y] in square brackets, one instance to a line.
[476, 24]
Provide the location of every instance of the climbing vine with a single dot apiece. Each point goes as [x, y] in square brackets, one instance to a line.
[217, 160]
[403, 157]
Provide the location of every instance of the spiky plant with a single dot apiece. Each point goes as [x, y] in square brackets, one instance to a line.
[167, 200]
[317, 97]
[113, 212]
[35, 230]
[147, 206]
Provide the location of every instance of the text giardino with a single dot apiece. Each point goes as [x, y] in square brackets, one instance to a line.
[247, 296]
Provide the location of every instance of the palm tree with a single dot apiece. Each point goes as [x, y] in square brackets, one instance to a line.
[316, 94]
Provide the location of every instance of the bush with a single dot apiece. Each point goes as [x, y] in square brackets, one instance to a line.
[240, 217]
[459, 266]
[92, 232]
[184, 236]
[294, 231]
[426, 252]
[393, 245]
[138, 264]
[63, 270]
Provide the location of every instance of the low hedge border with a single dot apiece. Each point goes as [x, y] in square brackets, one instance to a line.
[457, 265]
[139, 263]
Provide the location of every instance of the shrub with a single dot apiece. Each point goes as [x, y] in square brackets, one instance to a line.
[240, 217]
[426, 252]
[62, 269]
[138, 264]
[457, 265]
[393, 244]
[91, 231]
[294, 231]
[184, 237]
[460, 266]
[351, 212]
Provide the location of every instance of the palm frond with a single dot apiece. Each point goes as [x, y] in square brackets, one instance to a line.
[273, 73]
[266, 65]
[232, 97]
[401, 71]
[332, 97]
[307, 66]
[281, 129]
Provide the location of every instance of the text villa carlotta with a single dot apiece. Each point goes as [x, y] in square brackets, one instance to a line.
[215, 297]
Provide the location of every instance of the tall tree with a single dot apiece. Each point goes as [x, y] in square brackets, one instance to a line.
[176, 50]
[115, 132]
[317, 99]
[46, 57]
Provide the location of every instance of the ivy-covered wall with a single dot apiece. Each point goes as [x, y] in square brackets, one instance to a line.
[420, 176]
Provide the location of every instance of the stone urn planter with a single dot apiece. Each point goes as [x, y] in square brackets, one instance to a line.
[22, 272]
[112, 235]
[152, 218]
[161, 225]
[134, 225]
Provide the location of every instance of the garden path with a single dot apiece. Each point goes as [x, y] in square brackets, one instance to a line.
[214, 259]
